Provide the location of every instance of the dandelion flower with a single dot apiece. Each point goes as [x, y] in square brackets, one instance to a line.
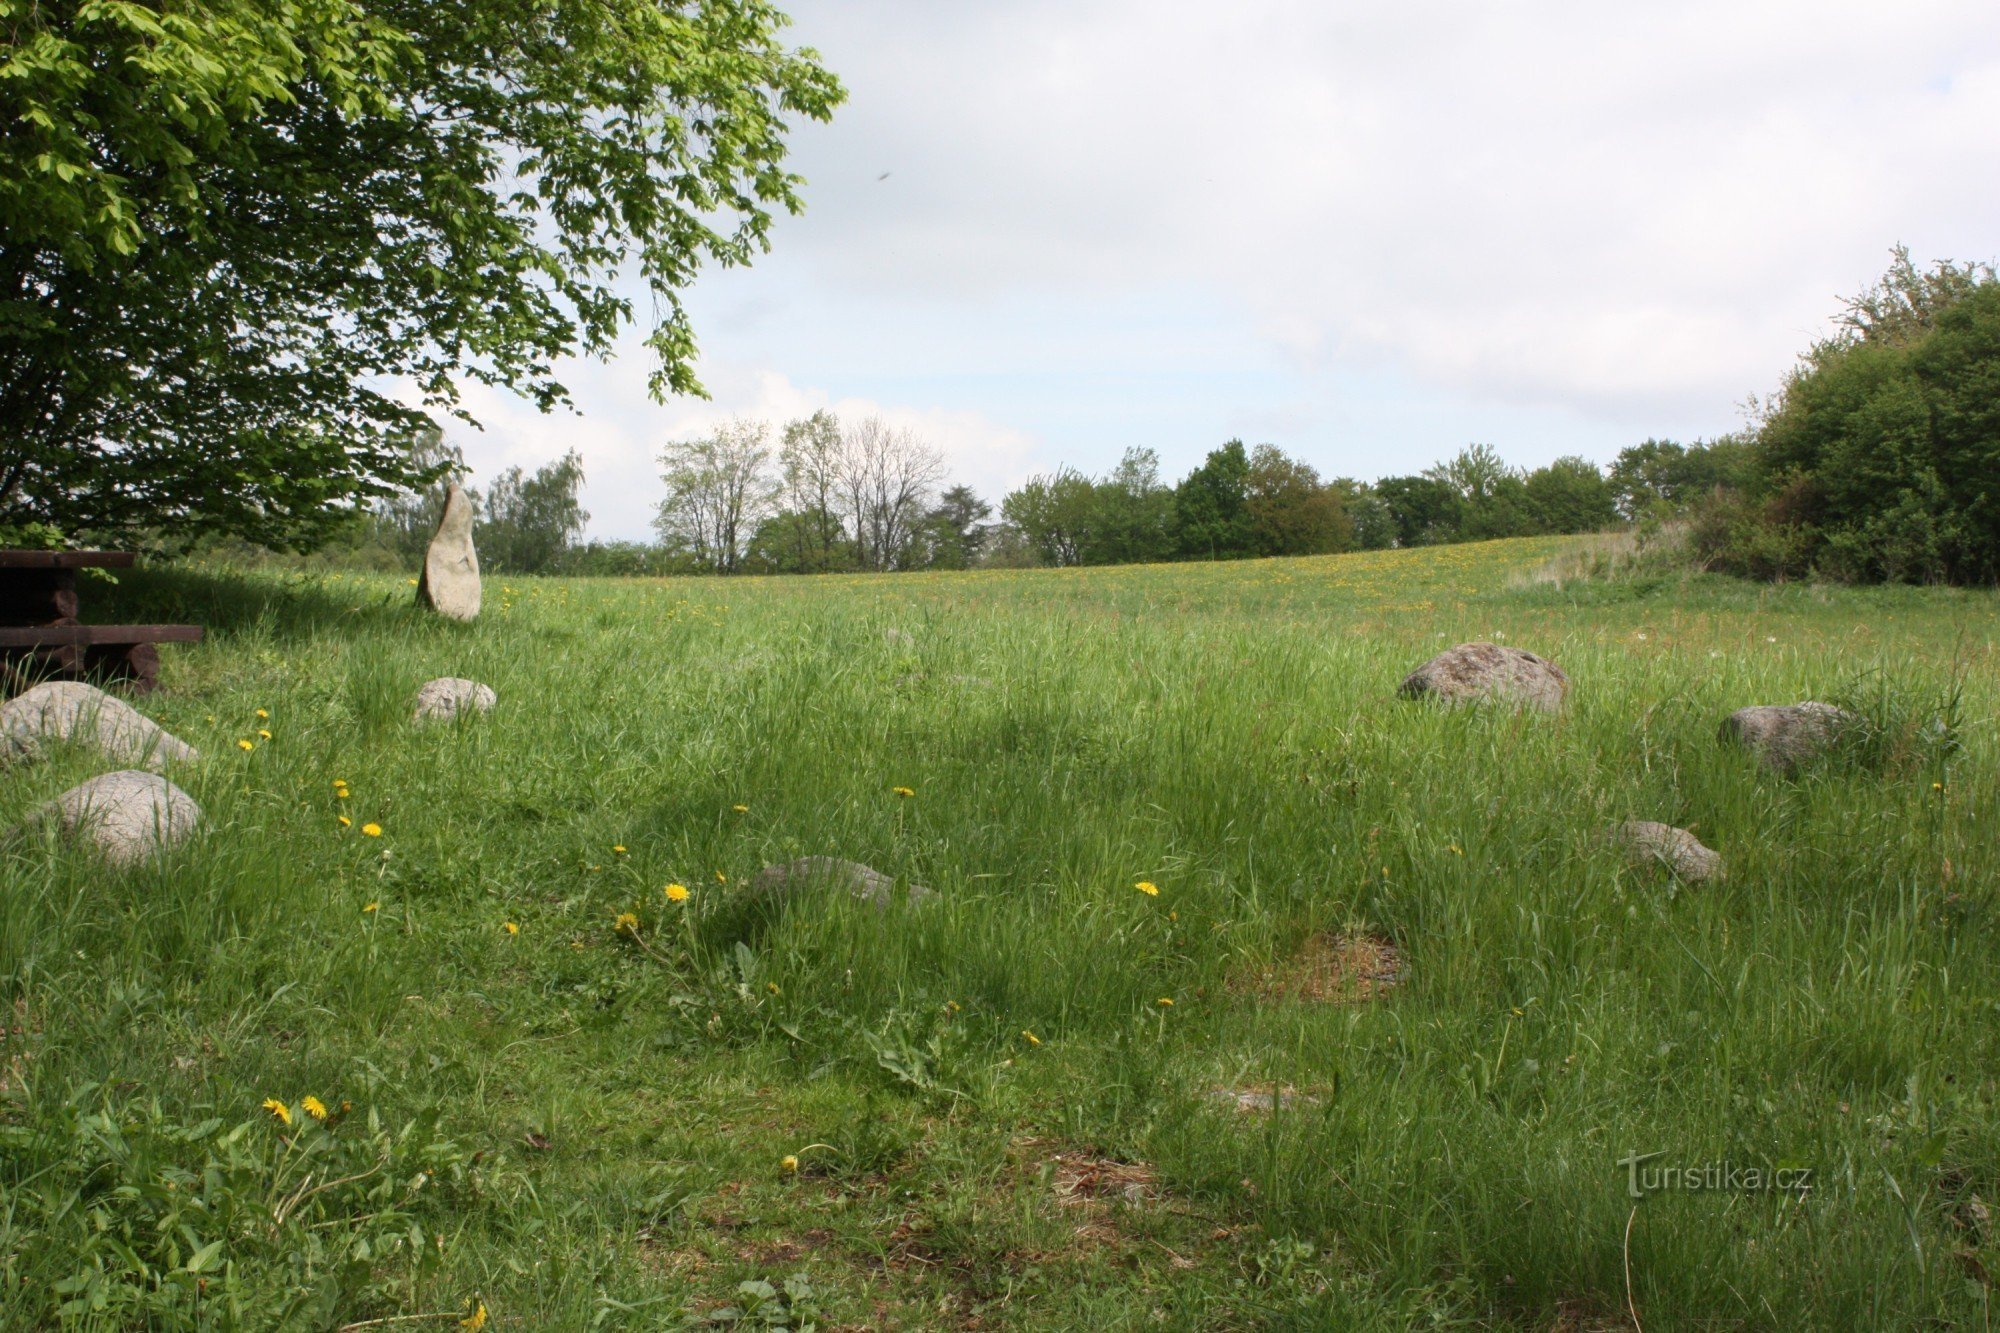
[264, 733]
[721, 878]
[625, 921]
[341, 793]
[313, 1106]
[411, 582]
[345, 822]
[372, 907]
[511, 928]
[372, 830]
[618, 849]
[261, 715]
[1165, 1002]
[280, 1110]
[246, 745]
[903, 792]
[1033, 1040]
[772, 987]
[1148, 888]
[740, 809]
[477, 1319]
[677, 893]
[788, 1164]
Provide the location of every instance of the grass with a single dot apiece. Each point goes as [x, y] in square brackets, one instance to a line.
[995, 1120]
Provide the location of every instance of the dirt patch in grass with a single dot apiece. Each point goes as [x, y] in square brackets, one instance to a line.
[1330, 968]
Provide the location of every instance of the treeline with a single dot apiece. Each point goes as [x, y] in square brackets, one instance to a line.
[818, 495]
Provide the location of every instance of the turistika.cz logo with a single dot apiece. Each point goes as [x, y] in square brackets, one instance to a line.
[1724, 1177]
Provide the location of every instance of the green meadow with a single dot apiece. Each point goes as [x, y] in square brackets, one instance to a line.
[556, 1097]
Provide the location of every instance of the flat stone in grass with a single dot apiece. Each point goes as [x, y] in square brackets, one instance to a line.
[781, 882]
[1488, 673]
[1786, 736]
[1254, 1101]
[1330, 968]
[126, 816]
[450, 582]
[69, 710]
[1648, 843]
[449, 697]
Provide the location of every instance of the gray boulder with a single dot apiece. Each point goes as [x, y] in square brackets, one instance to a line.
[1786, 736]
[1488, 672]
[1648, 843]
[447, 697]
[450, 582]
[830, 872]
[69, 710]
[126, 816]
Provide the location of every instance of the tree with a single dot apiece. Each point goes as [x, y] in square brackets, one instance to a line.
[887, 478]
[408, 519]
[1494, 501]
[1291, 511]
[1424, 511]
[719, 490]
[227, 226]
[1659, 477]
[531, 521]
[954, 532]
[812, 460]
[1132, 519]
[1209, 506]
[1570, 495]
[1053, 514]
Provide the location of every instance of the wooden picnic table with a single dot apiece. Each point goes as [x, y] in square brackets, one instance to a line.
[41, 635]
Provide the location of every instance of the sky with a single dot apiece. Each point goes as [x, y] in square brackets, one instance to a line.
[1043, 231]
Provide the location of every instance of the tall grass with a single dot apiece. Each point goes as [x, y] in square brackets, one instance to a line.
[614, 1107]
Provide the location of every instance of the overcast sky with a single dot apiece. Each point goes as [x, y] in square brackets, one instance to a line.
[1370, 234]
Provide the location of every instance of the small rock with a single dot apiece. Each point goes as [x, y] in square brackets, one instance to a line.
[1479, 672]
[448, 697]
[1649, 843]
[898, 638]
[1785, 736]
[68, 710]
[1250, 1101]
[450, 582]
[864, 882]
[127, 816]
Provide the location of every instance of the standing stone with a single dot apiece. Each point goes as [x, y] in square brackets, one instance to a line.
[126, 816]
[69, 710]
[1647, 842]
[447, 697]
[1785, 736]
[450, 582]
[1488, 672]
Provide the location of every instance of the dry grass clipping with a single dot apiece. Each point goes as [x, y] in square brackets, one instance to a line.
[1331, 968]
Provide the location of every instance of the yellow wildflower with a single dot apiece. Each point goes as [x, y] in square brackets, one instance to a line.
[625, 921]
[1165, 1002]
[721, 878]
[1148, 888]
[279, 1109]
[372, 907]
[477, 1319]
[313, 1106]
[740, 809]
[1033, 1040]
[511, 928]
[341, 793]
[264, 733]
[903, 792]
[261, 715]
[345, 822]
[246, 745]
[677, 893]
[788, 1164]
[618, 849]
[411, 582]
[372, 830]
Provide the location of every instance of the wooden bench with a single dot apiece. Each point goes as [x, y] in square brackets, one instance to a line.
[40, 634]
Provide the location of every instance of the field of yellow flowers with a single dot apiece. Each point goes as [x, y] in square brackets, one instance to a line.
[1248, 995]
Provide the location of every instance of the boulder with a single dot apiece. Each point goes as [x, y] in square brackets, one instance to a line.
[69, 710]
[448, 697]
[864, 882]
[1488, 672]
[1785, 736]
[1648, 843]
[126, 816]
[450, 582]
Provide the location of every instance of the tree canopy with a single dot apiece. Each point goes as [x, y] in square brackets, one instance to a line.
[247, 247]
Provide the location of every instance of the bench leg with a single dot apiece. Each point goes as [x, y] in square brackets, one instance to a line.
[136, 665]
